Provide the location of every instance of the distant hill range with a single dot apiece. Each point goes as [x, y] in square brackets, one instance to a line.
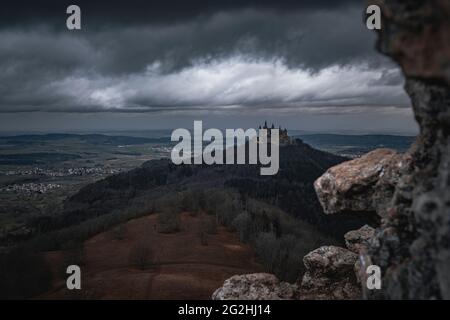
[336, 143]
[355, 145]
[87, 138]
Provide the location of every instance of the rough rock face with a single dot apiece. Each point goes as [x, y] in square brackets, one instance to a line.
[256, 286]
[329, 274]
[359, 240]
[363, 184]
[413, 242]
[415, 33]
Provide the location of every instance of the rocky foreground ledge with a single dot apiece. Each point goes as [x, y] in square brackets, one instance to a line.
[256, 286]
[332, 272]
[362, 185]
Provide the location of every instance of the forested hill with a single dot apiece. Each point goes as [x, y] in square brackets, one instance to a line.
[291, 189]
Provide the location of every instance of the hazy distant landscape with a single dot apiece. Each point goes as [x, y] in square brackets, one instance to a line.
[37, 172]
[356, 145]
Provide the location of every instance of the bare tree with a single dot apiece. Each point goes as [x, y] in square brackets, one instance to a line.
[141, 255]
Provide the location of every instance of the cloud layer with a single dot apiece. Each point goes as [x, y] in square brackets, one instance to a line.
[225, 57]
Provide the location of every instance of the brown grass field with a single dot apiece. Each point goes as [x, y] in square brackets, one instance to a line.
[181, 267]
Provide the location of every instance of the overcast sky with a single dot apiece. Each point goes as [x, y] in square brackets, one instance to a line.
[307, 65]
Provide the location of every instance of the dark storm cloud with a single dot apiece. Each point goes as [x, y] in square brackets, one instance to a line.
[308, 33]
[107, 12]
[311, 40]
[140, 56]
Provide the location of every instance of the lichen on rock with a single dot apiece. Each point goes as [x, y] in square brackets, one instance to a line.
[255, 286]
[329, 274]
[363, 185]
[359, 240]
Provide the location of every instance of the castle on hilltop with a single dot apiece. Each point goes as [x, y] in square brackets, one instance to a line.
[284, 137]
